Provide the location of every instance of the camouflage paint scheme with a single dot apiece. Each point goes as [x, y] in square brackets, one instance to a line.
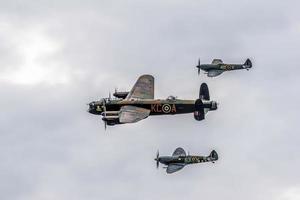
[179, 159]
[217, 67]
[139, 103]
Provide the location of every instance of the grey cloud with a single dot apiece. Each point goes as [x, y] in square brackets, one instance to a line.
[51, 148]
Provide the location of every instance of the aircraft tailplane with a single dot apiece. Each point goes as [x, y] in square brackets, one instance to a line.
[213, 155]
[248, 63]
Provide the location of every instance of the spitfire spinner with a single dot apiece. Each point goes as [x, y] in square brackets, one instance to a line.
[179, 159]
[139, 103]
[217, 67]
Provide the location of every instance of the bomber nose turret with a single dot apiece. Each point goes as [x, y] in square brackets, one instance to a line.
[94, 107]
[91, 107]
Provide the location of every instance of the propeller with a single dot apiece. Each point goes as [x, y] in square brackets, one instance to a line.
[157, 159]
[104, 111]
[89, 105]
[198, 66]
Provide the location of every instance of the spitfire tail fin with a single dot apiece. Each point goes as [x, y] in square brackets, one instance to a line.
[213, 155]
[248, 63]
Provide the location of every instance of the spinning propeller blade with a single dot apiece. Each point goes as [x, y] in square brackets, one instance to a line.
[198, 66]
[104, 111]
[157, 159]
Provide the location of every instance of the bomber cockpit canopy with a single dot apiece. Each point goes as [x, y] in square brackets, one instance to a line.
[171, 98]
[100, 102]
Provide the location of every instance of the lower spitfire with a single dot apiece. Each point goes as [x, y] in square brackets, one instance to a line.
[180, 159]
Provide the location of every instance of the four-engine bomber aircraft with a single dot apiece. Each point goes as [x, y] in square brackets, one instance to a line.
[139, 103]
[217, 67]
[179, 159]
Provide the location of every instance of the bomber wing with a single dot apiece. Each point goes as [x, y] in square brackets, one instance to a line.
[131, 114]
[179, 152]
[174, 167]
[217, 61]
[143, 88]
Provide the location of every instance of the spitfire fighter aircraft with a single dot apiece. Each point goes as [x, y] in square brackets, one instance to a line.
[139, 103]
[179, 159]
[217, 67]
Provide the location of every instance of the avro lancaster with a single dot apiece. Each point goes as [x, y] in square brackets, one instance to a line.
[139, 103]
[179, 159]
[217, 67]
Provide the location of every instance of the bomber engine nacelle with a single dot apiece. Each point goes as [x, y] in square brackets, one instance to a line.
[111, 117]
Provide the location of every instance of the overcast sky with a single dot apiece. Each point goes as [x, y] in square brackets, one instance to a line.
[56, 56]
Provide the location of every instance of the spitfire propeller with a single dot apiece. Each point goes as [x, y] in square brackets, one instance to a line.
[157, 159]
[104, 114]
[198, 66]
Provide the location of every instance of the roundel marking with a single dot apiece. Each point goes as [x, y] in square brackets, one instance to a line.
[166, 108]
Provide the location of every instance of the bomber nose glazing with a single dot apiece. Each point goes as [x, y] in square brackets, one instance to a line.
[96, 107]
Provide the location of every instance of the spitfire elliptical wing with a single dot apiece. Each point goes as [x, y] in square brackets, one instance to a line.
[143, 88]
[217, 61]
[174, 167]
[179, 152]
[214, 72]
[131, 114]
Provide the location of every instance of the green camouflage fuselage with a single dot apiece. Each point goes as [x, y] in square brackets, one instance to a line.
[223, 67]
[182, 159]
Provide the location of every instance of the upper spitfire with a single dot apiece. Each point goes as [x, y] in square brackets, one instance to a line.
[217, 67]
[139, 103]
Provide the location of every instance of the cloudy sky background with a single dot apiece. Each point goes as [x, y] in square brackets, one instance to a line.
[56, 56]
